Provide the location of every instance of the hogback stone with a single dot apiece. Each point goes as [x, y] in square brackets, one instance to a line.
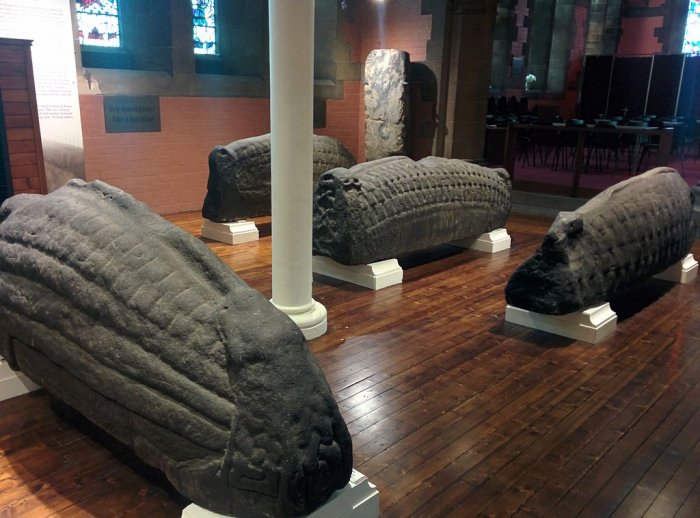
[239, 184]
[629, 232]
[386, 103]
[390, 207]
[142, 329]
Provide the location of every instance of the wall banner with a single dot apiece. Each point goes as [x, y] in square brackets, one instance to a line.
[48, 23]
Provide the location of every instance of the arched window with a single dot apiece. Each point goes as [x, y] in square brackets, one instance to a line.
[98, 22]
[204, 26]
[691, 41]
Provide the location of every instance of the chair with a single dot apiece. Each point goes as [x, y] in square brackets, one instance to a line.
[603, 145]
[565, 152]
[544, 141]
[691, 137]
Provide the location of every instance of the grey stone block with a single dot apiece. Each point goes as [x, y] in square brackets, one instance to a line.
[627, 233]
[140, 327]
[390, 207]
[386, 103]
[239, 184]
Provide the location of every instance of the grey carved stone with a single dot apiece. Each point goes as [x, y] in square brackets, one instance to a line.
[142, 329]
[393, 206]
[239, 175]
[629, 232]
[386, 104]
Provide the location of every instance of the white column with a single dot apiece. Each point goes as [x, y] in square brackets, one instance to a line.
[291, 125]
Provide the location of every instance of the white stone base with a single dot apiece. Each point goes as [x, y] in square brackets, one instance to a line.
[590, 325]
[312, 318]
[374, 276]
[490, 242]
[231, 233]
[359, 499]
[683, 272]
[14, 383]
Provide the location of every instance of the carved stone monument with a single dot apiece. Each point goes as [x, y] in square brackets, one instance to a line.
[137, 325]
[629, 232]
[239, 175]
[389, 207]
[386, 104]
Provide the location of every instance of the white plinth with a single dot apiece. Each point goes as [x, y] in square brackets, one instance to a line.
[374, 276]
[683, 272]
[490, 242]
[590, 325]
[14, 383]
[311, 318]
[231, 233]
[359, 499]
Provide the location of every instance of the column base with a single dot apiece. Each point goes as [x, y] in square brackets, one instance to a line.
[14, 383]
[590, 325]
[489, 242]
[683, 272]
[359, 499]
[312, 318]
[374, 276]
[231, 233]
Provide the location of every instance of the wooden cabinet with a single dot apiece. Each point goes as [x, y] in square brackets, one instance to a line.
[22, 160]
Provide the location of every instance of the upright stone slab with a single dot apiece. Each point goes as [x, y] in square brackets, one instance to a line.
[386, 104]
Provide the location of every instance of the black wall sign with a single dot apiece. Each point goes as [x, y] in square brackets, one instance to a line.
[129, 114]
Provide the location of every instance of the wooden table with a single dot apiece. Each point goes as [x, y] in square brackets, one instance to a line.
[665, 144]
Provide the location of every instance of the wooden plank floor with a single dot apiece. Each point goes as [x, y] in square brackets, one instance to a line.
[453, 412]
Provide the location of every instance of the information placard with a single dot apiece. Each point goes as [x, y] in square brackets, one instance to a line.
[129, 114]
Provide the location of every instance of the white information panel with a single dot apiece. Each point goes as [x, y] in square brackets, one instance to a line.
[48, 24]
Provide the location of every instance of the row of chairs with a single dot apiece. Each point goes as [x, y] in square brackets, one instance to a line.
[557, 148]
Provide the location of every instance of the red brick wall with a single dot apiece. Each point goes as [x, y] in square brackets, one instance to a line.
[168, 170]
[402, 27]
[638, 36]
[341, 119]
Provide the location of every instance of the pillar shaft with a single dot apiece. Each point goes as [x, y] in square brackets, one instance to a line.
[291, 125]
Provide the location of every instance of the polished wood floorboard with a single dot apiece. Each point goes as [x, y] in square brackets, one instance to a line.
[453, 411]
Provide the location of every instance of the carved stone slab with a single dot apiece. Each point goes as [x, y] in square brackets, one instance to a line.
[142, 329]
[625, 234]
[389, 207]
[240, 172]
[386, 103]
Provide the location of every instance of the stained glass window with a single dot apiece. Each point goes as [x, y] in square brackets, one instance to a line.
[204, 26]
[691, 41]
[98, 22]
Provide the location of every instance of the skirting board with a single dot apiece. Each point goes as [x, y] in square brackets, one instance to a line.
[13, 383]
[489, 242]
[374, 276]
[231, 233]
[683, 272]
[590, 325]
[359, 499]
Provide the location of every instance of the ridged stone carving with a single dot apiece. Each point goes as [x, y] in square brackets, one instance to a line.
[390, 207]
[239, 175]
[629, 232]
[142, 329]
